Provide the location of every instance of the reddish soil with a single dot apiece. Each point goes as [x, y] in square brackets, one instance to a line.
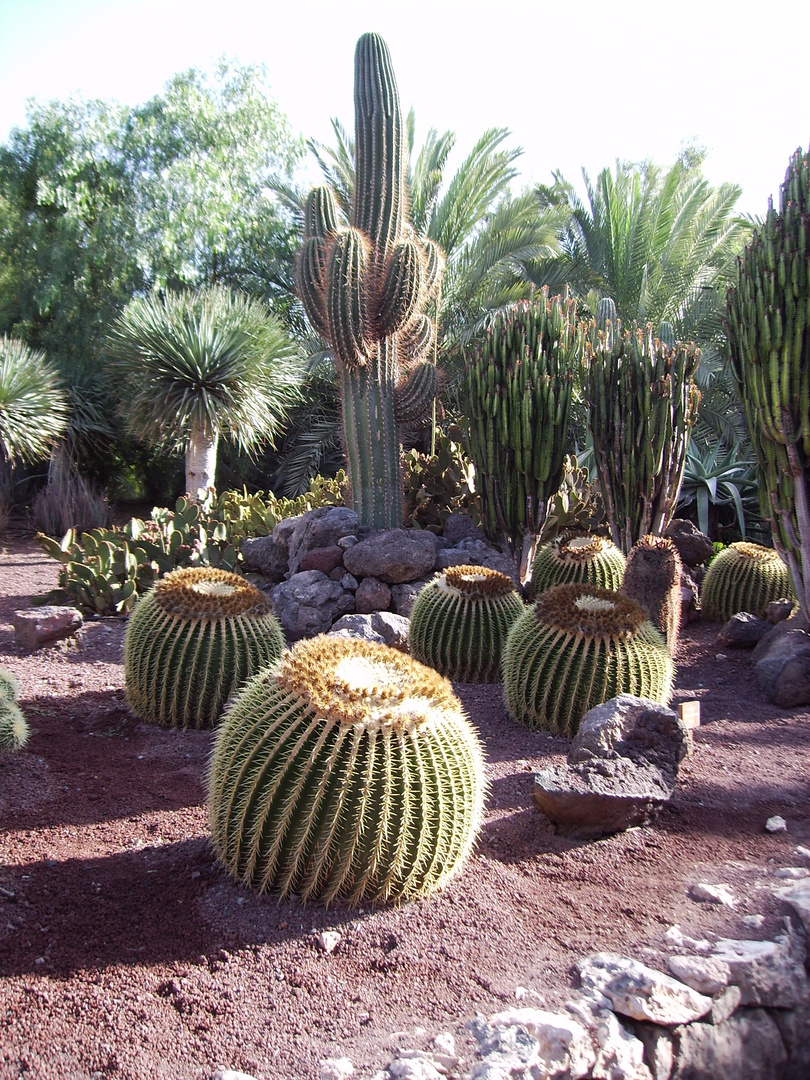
[126, 952]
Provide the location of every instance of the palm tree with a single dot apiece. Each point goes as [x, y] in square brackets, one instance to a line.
[33, 405]
[197, 365]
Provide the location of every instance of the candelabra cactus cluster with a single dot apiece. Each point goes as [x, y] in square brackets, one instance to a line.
[195, 637]
[744, 577]
[460, 621]
[346, 770]
[14, 731]
[578, 557]
[366, 287]
[768, 327]
[517, 387]
[643, 402]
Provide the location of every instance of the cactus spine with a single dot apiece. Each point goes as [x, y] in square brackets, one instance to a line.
[347, 770]
[517, 389]
[768, 328]
[643, 401]
[192, 639]
[14, 731]
[578, 647]
[460, 621]
[653, 579]
[578, 557]
[743, 577]
[365, 287]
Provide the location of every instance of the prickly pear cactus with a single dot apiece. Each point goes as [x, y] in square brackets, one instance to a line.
[346, 771]
[14, 731]
[578, 557]
[743, 577]
[192, 639]
[653, 579]
[460, 621]
[578, 647]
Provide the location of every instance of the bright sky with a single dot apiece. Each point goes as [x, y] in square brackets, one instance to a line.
[578, 83]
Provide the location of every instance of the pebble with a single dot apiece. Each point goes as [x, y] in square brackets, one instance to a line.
[715, 894]
[230, 1074]
[336, 1068]
[792, 872]
[776, 824]
[754, 921]
[328, 940]
[803, 851]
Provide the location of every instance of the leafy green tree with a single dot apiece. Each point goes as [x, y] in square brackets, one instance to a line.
[198, 365]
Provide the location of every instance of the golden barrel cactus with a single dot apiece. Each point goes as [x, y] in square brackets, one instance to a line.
[578, 557]
[744, 577]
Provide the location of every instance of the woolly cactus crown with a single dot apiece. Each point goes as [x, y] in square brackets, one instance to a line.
[474, 582]
[578, 557]
[202, 592]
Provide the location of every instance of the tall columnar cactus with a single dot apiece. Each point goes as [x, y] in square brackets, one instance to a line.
[769, 338]
[348, 771]
[366, 286]
[460, 621]
[643, 402]
[517, 388]
[14, 731]
[578, 557]
[653, 579]
[576, 648]
[743, 577]
[192, 640]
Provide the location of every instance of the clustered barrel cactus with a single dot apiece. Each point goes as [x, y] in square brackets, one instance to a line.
[743, 577]
[460, 621]
[347, 770]
[195, 637]
[518, 382]
[579, 646]
[366, 286]
[769, 339]
[14, 731]
[578, 557]
[643, 402]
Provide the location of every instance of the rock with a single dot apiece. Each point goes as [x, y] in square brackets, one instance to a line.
[676, 936]
[478, 553]
[325, 559]
[784, 671]
[792, 873]
[619, 1053]
[349, 582]
[345, 542]
[563, 1045]
[690, 599]
[779, 610]
[328, 940]
[460, 527]
[694, 547]
[319, 529]
[641, 992]
[381, 626]
[372, 595]
[403, 597]
[794, 1027]
[44, 625]
[336, 1069]
[743, 631]
[715, 894]
[705, 974]
[635, 728]
[270, 555]
[768, 973]
[414, 1065]
[506, 1052]
[725, 1004]
[754, 921]
[309, 603]
[775, 824]
[445, 1050]
[659, 1052]
[747, 1046]
[395, 556]
[798, 896]
[230, 1074]
[803, 851]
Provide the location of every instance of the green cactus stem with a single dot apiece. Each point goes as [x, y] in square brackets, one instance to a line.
[195, 637]
[460, 621]
[9, 687]
[345, 771]
[366, 286]
[768, 327]
[653, 579]
[576, 648]
[578, 557]
[517, 390]
[744, 577]
[642, 402]
[14, 730]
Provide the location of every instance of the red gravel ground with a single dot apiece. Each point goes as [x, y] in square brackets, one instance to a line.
[126, 952]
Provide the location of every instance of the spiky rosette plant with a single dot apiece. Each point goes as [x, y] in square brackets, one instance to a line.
[579, 646]
[578, 557]
[195, 637]
[642, 402]
[366, 287]
[769, 339]
[517, 390]
[743, 577]
[346, 771]
[653, 579]
[460, 621]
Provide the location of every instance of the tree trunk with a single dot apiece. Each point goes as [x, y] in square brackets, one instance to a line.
[201, 462]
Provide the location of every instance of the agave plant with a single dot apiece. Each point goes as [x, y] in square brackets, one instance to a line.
[713, 477]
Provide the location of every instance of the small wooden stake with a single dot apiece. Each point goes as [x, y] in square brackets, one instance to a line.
[689, 712]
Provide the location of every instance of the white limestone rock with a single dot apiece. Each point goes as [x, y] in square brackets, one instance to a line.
[705, 974]
[336, 1068]
[620, 1055]
[776, 824]
[564, 1047]
[747, 1046]
[641, 992]
[715, 894]
[798, 896]
[768, 973]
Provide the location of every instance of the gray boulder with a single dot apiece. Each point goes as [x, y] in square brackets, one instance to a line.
[743, 631]
[42, 626]
[475, 552]
[783, 671]
[395, 556]
[403, 597]
[309, 603]
[779, 610]
[694, 547]
[747, 1046]
[321, 528]
[372, 595]
[384, 627]
[460, 527]
[270, 555]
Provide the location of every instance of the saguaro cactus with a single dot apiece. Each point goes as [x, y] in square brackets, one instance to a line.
[517, 385]
[769, 337]
[643, 401]
[365, 287]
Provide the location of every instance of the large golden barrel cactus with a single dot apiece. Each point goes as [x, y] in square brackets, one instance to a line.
[346, 770]
[744, 577]
[196, 636]
[579, 646]
[460, 621]
[578, 557]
